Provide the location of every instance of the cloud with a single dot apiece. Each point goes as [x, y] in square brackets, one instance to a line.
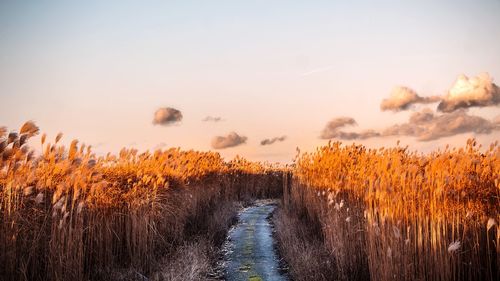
[273, 140]
[479, 91]
[212, 119]
[427, 126]
[352, 135]
[402, 98]
[422, 117]
[231, 140]
[424, 126]
[167, 116]
[358, 136]
[331, 129]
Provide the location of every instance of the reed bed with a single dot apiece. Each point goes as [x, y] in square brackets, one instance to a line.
[375, 214]
[68, 214]
[391, 214]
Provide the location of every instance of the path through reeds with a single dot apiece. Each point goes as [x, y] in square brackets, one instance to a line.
[249, 250]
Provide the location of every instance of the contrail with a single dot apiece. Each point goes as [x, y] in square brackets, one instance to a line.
[317, 70]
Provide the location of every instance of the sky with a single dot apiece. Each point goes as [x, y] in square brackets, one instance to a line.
[98, 71]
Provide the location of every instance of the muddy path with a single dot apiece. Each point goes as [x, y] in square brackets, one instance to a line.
[249, 249]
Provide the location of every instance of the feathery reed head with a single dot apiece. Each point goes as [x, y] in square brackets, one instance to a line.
[29, 128]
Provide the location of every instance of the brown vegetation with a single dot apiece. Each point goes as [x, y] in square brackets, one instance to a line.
[70, 215]
[349, 213]
[390, 214]
[303, 250]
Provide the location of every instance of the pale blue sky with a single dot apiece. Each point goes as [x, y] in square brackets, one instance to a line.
[97, 70]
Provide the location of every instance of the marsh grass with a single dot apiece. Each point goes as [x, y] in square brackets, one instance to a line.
[390, 214]
[68, 214]
[305, 254]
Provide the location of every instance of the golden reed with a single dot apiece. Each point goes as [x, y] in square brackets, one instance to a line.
[391, 214]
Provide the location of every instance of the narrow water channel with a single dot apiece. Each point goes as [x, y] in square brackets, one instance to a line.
[249, 250]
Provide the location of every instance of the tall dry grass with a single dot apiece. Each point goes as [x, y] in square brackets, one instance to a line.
[302, 249]
[391, 214]
[68, 214]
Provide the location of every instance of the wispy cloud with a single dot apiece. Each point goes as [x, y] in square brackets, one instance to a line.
[272, 140]
[424, 126]
[212, 119]
[317, 70]
[428, 126]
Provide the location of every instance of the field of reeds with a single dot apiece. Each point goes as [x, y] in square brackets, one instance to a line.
[67, 214]
[392, 214]
[348, 212]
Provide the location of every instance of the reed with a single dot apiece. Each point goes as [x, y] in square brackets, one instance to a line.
[391, 214]
[68, 214]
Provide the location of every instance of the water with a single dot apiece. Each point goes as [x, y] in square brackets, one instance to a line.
[249, 250]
